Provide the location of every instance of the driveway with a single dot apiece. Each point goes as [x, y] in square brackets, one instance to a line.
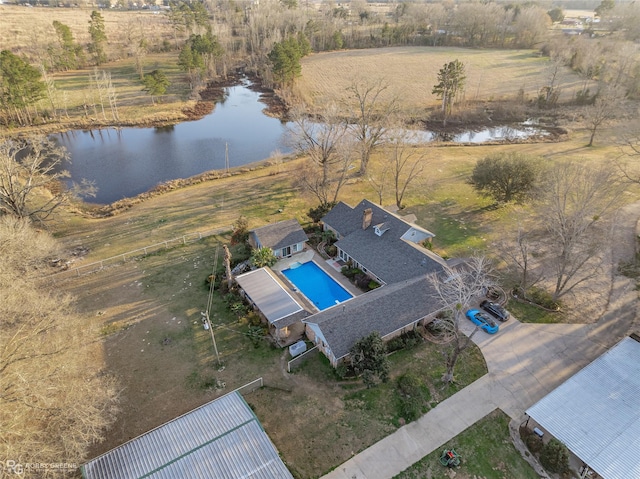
[525, 362]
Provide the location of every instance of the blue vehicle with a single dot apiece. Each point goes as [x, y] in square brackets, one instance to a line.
[483, 320]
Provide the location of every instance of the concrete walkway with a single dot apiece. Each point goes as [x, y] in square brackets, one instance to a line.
[525, 362]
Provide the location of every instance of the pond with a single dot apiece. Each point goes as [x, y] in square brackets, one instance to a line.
[124, 162]
[127, 161]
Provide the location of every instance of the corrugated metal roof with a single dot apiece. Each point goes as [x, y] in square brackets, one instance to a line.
[596, 412]
[268, 295]
[222, 439]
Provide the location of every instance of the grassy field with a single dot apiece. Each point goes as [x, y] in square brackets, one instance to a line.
[486, 451]
[412, 72]
[29, 31]
[148, 310]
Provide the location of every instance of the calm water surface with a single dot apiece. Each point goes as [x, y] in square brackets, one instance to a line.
[125, 162]
[128, 161]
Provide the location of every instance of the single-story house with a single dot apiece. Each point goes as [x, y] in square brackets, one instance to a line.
[222, 438]
[380, 243]
[388, 248]
[285, 238]
[266, 294]
[390, 310]
[596, 414]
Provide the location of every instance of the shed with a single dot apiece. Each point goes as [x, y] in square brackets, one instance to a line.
[221, 439]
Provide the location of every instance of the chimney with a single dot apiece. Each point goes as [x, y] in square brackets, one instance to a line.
[367, 215]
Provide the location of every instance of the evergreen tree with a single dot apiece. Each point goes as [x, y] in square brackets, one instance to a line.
[285, 58]
[369, 359]
[20, 87]
[69, 56]
[451, 78]
[156, 83]
[98, 36]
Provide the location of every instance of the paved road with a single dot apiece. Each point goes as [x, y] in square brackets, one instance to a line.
[525, 362]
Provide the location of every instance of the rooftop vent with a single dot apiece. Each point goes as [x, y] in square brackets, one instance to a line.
[381, 228]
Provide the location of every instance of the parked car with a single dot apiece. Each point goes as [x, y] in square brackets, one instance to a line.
[486, 322]
[495, 310]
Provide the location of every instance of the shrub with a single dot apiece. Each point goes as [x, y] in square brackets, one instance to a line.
[542, 298]
[413, 397]
[534, 443]
[405, 341]
[331, 251]
[373, 284]
[555, 457]
[362, 280]
[350, 272]
[316, 214]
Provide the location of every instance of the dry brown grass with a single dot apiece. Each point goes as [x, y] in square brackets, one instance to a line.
[28, 31]
[412, 72]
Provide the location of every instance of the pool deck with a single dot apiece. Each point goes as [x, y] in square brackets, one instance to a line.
[330, 267]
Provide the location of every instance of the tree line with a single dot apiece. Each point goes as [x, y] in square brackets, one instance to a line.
[270, 38]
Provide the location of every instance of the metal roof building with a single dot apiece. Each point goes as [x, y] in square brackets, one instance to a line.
[222, 439]
[596, 413]
[263, 290]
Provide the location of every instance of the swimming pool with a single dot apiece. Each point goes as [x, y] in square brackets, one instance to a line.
[320, 288]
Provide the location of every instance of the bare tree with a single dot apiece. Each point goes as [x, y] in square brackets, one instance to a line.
[325, 184]
[518, 253]
[325, 142]
[54, 399]
[371, 116]
[575, 205]
[51, 90]
[379, 181]
[629, 146]
[31, 178]
[406, 162]
[458, 288]
[550, 93]
[137, 44]
[608, 103]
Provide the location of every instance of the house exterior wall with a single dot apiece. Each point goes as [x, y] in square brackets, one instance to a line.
[344, 256]
[253, 241]
[326, 227]
[289, 250]
[315, 335]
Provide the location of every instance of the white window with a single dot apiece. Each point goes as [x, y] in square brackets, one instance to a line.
[294, 248]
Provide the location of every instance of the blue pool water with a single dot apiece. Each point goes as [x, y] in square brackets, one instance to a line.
[320, 288]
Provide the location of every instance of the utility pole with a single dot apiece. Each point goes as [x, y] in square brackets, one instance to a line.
[226, 161]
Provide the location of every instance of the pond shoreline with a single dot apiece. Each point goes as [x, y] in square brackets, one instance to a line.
[185, 111]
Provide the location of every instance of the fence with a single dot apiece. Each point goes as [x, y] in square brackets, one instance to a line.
[121, 258]
[298, 360]
[250, 387]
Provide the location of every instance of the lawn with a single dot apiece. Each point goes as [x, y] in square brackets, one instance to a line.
[149, 312]
[530, 314]
[322, 421]
[486, 451]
